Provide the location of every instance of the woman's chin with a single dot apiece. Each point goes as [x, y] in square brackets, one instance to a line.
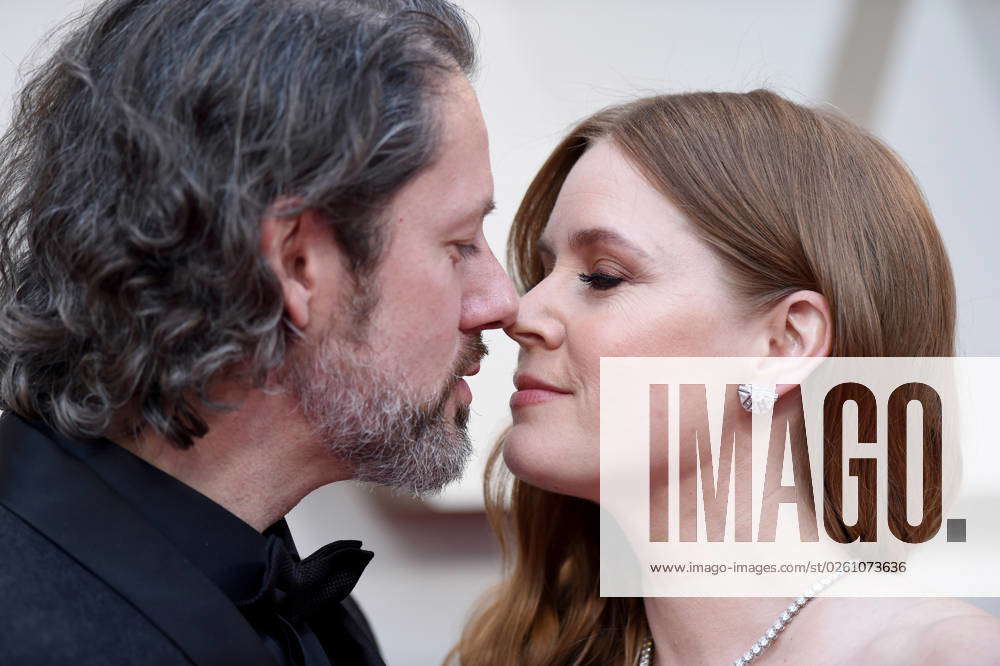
[518, 457]
[546, 467]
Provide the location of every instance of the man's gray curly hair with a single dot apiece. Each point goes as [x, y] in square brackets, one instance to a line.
[143, 155]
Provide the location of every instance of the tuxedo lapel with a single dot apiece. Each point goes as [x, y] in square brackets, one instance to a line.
[65, 500]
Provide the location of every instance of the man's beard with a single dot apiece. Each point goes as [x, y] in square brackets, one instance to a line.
[369, 419]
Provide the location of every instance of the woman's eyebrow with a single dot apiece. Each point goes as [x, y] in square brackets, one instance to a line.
[593, 236]
[603, 235]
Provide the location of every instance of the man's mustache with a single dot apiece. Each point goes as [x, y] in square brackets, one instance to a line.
[474, 350]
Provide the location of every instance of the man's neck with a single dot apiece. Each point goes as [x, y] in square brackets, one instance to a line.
[258, 461]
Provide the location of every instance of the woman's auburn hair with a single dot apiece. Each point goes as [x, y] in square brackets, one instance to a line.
[790, 198]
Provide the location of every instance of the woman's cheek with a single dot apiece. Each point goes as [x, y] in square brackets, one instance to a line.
[596, 343]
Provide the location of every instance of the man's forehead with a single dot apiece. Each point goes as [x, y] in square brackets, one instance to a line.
[456, 187]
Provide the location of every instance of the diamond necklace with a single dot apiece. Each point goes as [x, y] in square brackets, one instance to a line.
[766, 640]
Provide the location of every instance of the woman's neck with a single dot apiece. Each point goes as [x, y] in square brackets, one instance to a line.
[712, 630]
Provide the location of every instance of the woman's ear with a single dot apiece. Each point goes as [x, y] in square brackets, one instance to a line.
[800, 325]
[298, 249]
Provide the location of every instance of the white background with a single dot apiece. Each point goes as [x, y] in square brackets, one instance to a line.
[922, 74]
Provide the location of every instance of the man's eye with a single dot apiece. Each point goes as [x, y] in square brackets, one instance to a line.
[600, 281]
[466, 250]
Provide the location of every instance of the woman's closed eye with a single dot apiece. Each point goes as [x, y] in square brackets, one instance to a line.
[600, 281]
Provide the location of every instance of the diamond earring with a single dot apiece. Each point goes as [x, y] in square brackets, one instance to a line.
[756, 398]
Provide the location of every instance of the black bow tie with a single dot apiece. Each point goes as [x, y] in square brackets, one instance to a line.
[298, 589]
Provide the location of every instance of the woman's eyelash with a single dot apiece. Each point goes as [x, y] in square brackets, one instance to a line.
[600, 281]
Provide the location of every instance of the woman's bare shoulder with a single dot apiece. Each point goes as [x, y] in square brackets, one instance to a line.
[942, 632]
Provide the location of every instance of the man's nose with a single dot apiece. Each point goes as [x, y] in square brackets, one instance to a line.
[492, 302]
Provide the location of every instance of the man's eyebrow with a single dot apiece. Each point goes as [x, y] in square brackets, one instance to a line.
[598, 235]
[489, 206]
[475, 215]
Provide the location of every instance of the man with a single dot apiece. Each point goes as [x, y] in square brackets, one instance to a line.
[242, 257]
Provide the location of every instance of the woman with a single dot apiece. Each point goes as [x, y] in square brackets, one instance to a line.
[707, 224]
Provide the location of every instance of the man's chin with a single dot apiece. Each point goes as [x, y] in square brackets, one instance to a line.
[368, 421]
[429, 482]
[420, 455]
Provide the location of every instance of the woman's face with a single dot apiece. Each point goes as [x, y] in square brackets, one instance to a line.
[625, 275]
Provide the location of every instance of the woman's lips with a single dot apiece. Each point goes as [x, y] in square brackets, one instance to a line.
[533, 397]
[533, 391]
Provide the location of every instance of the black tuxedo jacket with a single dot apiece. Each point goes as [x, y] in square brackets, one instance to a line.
[86, 580]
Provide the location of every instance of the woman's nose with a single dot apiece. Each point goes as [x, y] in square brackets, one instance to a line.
[539, 322]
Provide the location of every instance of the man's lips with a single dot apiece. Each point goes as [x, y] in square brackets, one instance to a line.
[463, 390]
[532, 391]
[462, 387]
